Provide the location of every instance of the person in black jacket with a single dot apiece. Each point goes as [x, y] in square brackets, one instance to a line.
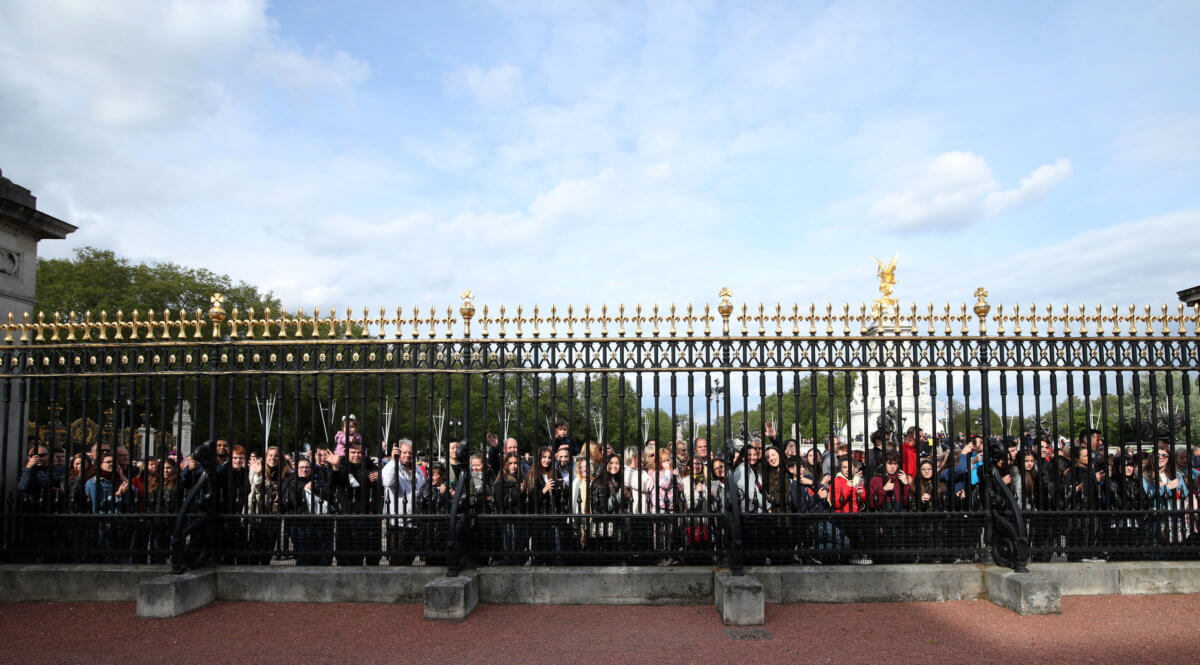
[508, 498]
[434, 499]
[305, 495]
[609, 497]
[356, 488]
[37, 497]
[1081, 494]
[1130, 533]
[231, 491]
[561, 438]
[163, 499]
[547, 495]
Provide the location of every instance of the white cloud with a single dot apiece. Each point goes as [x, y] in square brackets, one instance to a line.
[498, 86]
[1149, 259]
[152, 64]
[957, 189]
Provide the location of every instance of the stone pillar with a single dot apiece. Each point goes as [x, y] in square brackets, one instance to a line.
[181, 425]
[21, 228]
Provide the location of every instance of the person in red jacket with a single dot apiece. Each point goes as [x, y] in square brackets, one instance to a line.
[848, 489]
[888, 492]
[909, 451]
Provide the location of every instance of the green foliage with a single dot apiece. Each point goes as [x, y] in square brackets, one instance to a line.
[972, 421]
[819, 405]
[98, 279]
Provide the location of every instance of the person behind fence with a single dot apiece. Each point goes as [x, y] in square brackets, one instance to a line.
[76, 534]
[695, 485]
[37, 497]
[928, 495]
[562, 467]
[508, 497]
[357, 490]
[1081, 491]
[848, 490]
[265, 504]
[876, 452]
[745, 476]
[825, 540]
[1130, 532]
[348, 432]
[547, 496]
[496, 453]
[580, 500]
[231, 491]
[775, 482]
[306, 498]
[476, 500]
[1167, 491]
[163, 500]
[889, 489]
[402, 481]
[609, 497]
[110, 493]
[636, 480]
[434, 499]
[560, 438]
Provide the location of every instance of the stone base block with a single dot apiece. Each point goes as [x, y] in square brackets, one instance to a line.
[171, 595]
[1138, 577]
[739, 600]
[1023, 593]
[452, 598]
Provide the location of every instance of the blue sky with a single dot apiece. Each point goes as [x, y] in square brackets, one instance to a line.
[376, 153]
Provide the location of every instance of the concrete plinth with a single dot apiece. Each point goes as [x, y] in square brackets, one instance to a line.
[325, 584]
[739, 599]
[171, 595]
[74, 582]
[452, 598]
[596, 585]
[869, 584]
[1023, 593]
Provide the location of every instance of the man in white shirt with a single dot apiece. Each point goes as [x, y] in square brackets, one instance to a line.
[402, 482]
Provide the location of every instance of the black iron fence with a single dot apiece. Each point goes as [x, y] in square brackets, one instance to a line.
[643, 437]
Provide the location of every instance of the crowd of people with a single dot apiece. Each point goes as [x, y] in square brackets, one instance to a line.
[650, 502]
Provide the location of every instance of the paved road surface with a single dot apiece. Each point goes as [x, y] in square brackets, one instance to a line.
[1105, 629]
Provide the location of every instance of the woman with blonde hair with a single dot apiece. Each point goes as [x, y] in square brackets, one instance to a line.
[580, 498]
[266, 498]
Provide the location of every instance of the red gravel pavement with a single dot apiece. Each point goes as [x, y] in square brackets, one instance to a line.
[1099, 629]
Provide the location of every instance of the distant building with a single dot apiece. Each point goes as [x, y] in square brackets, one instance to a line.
[21, 228]
[1190, 297]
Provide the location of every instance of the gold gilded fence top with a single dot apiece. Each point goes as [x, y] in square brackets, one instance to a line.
[753, 320]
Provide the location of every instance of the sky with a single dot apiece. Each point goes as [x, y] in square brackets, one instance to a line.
[381, 154]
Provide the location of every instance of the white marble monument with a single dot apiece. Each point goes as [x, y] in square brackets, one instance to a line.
[904, 405]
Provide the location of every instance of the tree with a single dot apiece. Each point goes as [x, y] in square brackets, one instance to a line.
[98, 279]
